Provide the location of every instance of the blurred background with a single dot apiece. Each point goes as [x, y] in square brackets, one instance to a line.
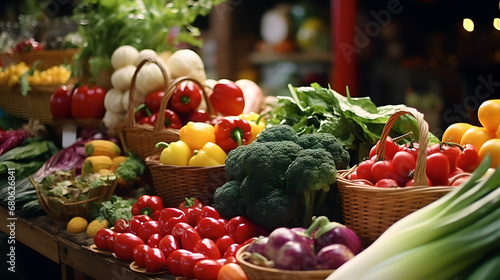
[441, 56]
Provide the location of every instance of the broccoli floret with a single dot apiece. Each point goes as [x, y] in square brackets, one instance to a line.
[277, 133]
[228, 201]
[328, 142]
[234, 163]
[311, 173]
[131, 168]
[275, 209]
[270, 159]
[253, 188]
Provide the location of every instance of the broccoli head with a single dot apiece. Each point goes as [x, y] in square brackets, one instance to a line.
[328, 142]
[277, 133]
[311, 173]
[275, 209]
[254, 188]
[228, 201]
[234, 163]
[270, 159]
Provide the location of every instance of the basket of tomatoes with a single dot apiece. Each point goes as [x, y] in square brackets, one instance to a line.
[396, 180]
[140, 135]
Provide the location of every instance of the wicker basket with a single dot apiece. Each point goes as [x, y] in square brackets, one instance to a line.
[370, 210]
[256, 272]
[75, 209]
[174, 183]
[142, 138]
[48, 58]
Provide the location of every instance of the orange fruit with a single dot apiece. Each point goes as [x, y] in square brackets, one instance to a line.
[454, 132]
[477, 135]
[489, 114]
[491, 147]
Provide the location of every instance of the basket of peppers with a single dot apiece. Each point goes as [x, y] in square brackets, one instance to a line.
[194, 165]
[144, 125]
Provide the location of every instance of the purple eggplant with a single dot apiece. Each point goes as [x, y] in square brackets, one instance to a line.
[333, 256]
[294, 255]
[282, 235]
[328, 233]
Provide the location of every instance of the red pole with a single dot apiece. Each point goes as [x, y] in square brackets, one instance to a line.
[345, 59]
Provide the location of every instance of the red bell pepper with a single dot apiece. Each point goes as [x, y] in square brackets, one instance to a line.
[60, 102]
[169, 217]
[125, 244]
[227, 98]
[148, 205]
[241, 229]
[231, 132]
[186, 97]
[88, 102]
[147, 229]
[211, 228]
[136, 222]
[27, 46]
[153, 101]
[171, 120]
[142, 114]
[190, 202]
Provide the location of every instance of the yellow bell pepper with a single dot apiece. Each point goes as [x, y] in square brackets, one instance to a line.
[252, 118]
[175, 153]
[210, 155]
[196, 134]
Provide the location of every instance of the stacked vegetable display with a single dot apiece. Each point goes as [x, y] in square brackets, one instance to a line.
[191, 240]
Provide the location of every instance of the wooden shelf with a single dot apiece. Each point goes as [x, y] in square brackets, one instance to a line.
[298, 57]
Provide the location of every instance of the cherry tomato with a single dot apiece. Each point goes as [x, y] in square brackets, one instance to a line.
[438, 169]
[168, 244]
[492, 148]
[383, 169]
[489, 114]
[364, 170]
[179, 229]
[411, 182]
[207, 247]
[232, 271]
[477, 136]
[174, 259]
[468, 159]
[112, 240]
[386, 183]
[223, 243]
[125, 244]
[154, 240]
[189, 239]
[207, 269]
[121, 225]
[155, 260]
[454, 132]
[101, 238]
[188, 262]
[140, 254]
[209, 227]
[411, 148]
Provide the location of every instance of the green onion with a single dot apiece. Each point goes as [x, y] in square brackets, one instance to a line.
[438, 241]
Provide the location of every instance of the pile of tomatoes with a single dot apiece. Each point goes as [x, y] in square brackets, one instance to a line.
[191, 241]
[396, 168]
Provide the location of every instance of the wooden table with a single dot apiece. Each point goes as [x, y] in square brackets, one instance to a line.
[71, 251]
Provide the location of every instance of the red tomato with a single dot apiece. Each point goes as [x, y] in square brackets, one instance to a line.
[383, 169]
[232, 271]
[468, 158]
[188, 262]
[189, 239]
[459, 181]
[140, 254]
[391, 148]
[155, 260]
[451, 152]
[101, 238]
[223, 243]
[231, 250]
[227, 98]
[125, 244]
[179, 229]
[209, 227]
[88, 102]
[364, 170]
[154, 240]
[404, 163]
[112, 240]
[190, 202]
[209, 211]
[411, 182]
[174, 259]
[207, 269]
[438, 169]
[168, 244]
[387, 183]
[207, 247]
[411, 148]
[147, 229]
[60, 103]
[230, 259]
[169, 217]
[121, 225]
[193, 215]
[186, 97]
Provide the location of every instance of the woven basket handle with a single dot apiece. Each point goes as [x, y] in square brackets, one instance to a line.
[160, 124]
[130, 120]
[423, 139]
